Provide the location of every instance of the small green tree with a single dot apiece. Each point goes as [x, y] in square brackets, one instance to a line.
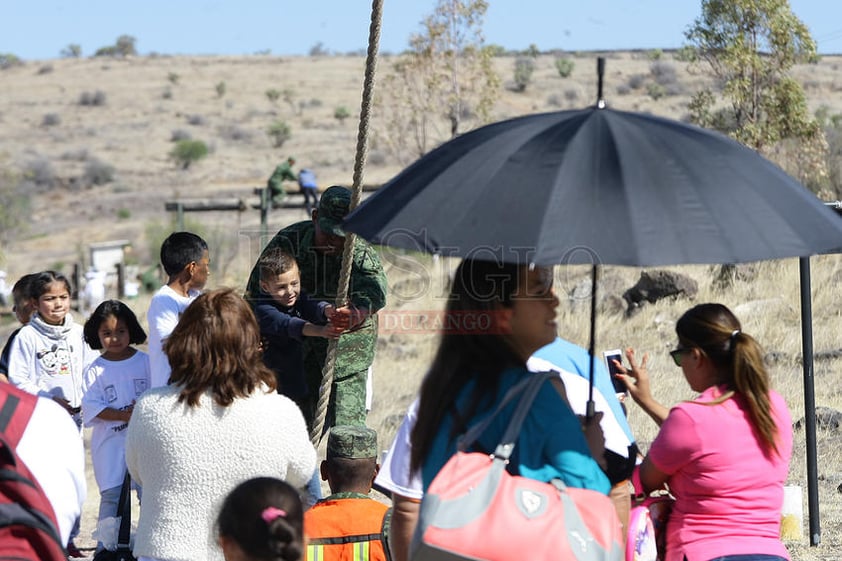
[97, 172]
[185, 152]
[685, 54]
[564, 66]
[273, 95]
[495, 50]
[833, 132]
[110, 50]
[750, 46]
[220, 89]
[125, 45]
[279, 132]
[173, 78]
[655, 90]
[341, 113]
[71, 51]
[524, 67]
[289, 98]
[318, 50]
[9, 60]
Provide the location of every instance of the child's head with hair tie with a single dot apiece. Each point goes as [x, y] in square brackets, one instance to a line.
[262, 520]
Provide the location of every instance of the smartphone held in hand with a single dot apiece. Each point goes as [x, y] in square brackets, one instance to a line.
[610, 357]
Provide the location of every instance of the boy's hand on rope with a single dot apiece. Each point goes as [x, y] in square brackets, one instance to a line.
[347, 317]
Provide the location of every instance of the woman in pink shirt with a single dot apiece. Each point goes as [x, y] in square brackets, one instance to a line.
[725, 455]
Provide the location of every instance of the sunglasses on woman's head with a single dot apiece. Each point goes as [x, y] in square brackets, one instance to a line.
[676, 354]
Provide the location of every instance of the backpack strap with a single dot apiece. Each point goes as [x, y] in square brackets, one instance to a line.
[527, 389]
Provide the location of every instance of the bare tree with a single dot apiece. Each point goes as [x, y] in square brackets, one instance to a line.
[444, 78]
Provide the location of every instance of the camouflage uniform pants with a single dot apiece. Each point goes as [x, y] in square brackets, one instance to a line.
[277, 196]
[348, 392]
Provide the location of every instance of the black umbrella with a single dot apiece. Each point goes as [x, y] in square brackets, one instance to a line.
[598, 186]
[632, 189]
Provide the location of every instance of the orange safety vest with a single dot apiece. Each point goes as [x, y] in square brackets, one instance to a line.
[345, 527]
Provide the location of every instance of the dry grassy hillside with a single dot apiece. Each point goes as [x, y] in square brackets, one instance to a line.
[46, 134]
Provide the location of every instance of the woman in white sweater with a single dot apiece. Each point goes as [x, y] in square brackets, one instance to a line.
[218, 423]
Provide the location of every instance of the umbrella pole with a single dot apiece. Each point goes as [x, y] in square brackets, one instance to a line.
[591, 408]
[809, 401]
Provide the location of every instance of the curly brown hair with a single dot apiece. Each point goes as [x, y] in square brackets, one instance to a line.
[216, 346]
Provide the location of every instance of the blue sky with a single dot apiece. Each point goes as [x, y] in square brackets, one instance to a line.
[40, 29]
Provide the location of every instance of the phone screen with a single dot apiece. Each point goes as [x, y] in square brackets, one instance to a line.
[610, 357]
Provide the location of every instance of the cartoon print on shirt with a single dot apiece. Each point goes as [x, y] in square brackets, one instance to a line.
[54, 361]
[63, 358]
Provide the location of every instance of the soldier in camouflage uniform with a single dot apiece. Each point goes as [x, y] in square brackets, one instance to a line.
[282, 173]
[317, 246]
[348, 524]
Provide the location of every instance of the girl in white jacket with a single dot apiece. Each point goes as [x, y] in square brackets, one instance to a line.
[49, 355]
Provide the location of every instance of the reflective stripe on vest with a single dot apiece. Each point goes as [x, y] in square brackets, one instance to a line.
[361, 546]
[315, 552]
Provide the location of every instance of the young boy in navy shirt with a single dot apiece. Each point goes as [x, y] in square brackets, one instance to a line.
[286, 315]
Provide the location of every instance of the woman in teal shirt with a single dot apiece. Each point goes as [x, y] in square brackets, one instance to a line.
[497, 315]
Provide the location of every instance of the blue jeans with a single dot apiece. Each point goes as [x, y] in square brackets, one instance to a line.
[314, 489]
[109, 500]
[749, 557]
[311, 198]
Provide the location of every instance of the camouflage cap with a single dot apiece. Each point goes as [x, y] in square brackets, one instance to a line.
[333, 206]
[348, 441]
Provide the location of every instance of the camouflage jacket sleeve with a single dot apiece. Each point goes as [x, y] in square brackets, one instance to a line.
[368, 280]
[282, 173]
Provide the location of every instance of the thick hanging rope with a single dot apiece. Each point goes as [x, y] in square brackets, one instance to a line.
[348, 252]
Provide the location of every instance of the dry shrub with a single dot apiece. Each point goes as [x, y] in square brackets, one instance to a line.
[97, 172]
[92, 99]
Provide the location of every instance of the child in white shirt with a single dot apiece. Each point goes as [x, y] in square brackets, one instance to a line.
[112, 384]
[186, 262]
